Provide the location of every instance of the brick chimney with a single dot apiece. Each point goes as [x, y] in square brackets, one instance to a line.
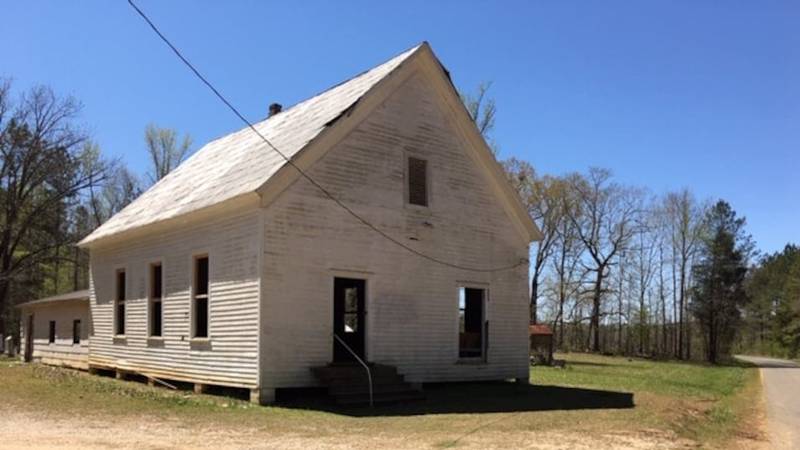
[274, 108]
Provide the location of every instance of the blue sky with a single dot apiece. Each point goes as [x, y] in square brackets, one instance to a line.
[695, 94]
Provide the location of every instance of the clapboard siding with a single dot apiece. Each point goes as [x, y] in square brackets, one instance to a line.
[62, 352]
[230, 357]
[412, 303]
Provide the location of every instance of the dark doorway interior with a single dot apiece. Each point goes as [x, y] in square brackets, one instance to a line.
[349, 296]
[29, 339]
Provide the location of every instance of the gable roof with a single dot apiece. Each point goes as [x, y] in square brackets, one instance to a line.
[242, 164]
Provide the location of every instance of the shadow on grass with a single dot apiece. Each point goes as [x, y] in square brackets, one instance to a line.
[472, 398]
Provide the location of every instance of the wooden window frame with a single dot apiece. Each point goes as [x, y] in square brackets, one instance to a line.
[152, 299]
[195, 297]
[120, 302]
[407, 182]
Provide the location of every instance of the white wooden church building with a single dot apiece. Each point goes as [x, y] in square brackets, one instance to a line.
[237, 270]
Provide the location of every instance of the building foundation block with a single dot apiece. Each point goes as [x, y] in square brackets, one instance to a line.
[262, 396]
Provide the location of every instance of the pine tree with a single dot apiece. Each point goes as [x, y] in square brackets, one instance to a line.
[719, 279]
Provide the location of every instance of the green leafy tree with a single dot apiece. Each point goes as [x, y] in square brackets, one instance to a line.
[773, 314]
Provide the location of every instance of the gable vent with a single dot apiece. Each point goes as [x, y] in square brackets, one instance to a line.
[417, 181]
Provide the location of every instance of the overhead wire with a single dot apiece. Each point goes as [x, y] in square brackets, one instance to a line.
[303, 173]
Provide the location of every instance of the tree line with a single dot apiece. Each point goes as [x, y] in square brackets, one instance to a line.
[622, 270]
[619, 269]
[56, 186]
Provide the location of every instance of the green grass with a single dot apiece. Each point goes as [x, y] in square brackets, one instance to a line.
[701, 404]
[718, 403]
[676, 379]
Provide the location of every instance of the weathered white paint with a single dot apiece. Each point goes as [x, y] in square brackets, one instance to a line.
[62, 352]
[412, 303]
[230, 355]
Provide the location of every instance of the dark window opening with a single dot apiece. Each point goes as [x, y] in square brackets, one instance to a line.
[471, 323]
[156, 289]
[51, 338]
[155, 322]
[200, 300]
[417, 181]
[119, 304]
[201, 318]
[76, 331]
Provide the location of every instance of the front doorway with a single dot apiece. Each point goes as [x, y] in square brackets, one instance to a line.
[349, 324]
[29, 339]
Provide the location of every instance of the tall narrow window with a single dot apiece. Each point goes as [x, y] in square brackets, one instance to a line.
[51, 338]
[417, 181]
[119, 304]
[156, 290]
[200, 297]
[471, 322]
[76, 331]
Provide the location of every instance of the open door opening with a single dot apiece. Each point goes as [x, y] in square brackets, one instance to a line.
[349, 318]
[29, 339]
[472, 323]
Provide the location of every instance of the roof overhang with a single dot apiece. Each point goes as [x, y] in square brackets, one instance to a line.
[70, 297]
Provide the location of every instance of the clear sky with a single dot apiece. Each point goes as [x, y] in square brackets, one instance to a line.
[668, 94]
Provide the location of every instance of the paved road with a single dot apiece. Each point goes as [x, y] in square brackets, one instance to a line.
[781, 380]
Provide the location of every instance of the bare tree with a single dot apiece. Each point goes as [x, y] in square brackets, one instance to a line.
[108, 197]
[605, 225]
[644, 253]
[482, 109]
[544, 199]
[685, 216]
[164, 151]
[43, 164]
[566, 262]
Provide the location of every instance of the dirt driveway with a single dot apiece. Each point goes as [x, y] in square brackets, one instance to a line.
[781, 379]
[21, 429]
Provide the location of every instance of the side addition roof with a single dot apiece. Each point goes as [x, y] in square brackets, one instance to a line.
[75, 296]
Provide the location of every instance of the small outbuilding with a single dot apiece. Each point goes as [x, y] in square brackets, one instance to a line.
[541, 337]
[55, 330]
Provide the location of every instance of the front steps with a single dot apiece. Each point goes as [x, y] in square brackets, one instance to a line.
[348, 384]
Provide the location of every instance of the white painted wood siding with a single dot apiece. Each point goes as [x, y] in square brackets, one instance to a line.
[231, 355]
[412, 303]
[62, 352]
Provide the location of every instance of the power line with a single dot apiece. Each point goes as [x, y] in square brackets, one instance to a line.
[301, 171]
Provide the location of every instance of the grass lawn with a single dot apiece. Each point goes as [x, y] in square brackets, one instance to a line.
[585, 405]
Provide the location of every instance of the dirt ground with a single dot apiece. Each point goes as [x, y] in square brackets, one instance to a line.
[25, 429]
[595, 403]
